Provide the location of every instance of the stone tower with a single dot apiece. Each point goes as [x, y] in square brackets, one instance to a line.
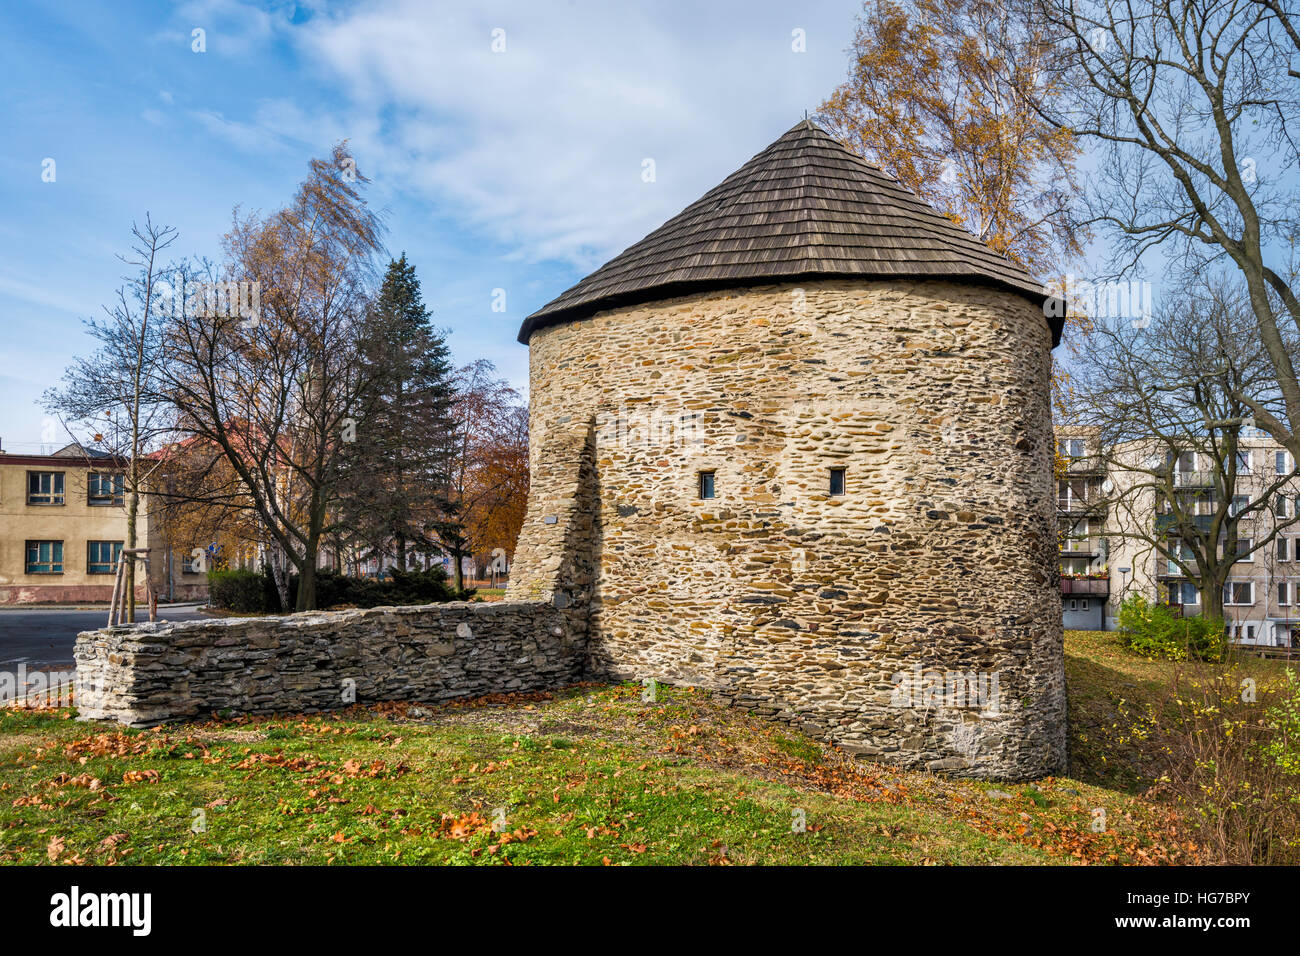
[813, 419]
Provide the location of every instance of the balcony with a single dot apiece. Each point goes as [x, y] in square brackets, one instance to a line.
[1096, 587]
[1073, 504]
[1193, 479]
[1085, 465]
[1168, 522]
[1083, 546]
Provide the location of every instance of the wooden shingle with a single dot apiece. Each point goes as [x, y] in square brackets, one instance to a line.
[803, 208]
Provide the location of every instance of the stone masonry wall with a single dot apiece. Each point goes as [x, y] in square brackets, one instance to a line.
[872, 619]
[150, 673]
[554, 559]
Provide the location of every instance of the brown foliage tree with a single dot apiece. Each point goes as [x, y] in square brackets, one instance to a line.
[498, 484]
[279, 393]
[933, 99]
[489, 478]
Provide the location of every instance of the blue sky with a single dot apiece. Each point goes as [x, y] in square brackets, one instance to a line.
[518, 170]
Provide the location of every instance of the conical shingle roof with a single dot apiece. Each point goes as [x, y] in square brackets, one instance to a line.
[805, 207]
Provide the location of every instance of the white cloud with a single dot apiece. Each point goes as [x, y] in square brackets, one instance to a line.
[46, 296]
[248, 137]
[231, 28]
[541, 147]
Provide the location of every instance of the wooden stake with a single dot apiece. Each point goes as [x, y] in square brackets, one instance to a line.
[117, 588]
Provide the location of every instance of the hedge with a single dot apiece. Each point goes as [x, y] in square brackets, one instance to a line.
[254, 592]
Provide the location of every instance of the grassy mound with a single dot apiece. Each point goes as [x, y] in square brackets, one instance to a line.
[590, 775]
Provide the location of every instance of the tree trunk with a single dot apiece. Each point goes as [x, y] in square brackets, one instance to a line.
[132, 512]
[1212, 601]
[279, 574]
[133, 503]
[307, 582]
[310, 556]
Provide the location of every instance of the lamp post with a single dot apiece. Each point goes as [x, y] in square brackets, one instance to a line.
[1123, 585]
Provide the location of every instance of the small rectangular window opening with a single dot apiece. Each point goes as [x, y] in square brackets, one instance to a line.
[44, 557]
[45, 487]
[706, 484]
[101, 556]
[837, 481]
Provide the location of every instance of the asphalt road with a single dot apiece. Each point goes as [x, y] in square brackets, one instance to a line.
[43, 638]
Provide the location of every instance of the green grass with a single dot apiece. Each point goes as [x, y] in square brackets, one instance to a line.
[592, 775]
[1109, 688]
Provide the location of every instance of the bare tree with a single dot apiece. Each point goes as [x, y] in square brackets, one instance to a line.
[1194, 105]
[1166, 402]
[114, 399]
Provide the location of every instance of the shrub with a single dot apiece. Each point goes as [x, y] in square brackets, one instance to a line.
[253, 592]
[1231, 762]
[1154, 630]
[332, 589]
[1282, 717]
[270, 593]
[421, 587]
[395, 588]
[237, 589]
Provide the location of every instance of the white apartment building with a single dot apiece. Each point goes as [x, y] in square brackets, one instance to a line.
[1100, 567]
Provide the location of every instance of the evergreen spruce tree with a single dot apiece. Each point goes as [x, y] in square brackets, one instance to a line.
[399, 471]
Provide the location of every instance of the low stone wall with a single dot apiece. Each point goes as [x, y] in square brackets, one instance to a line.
[149, 673]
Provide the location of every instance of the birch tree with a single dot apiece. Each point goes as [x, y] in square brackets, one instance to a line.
[115, 398]
[933, 98]
[280, 393]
